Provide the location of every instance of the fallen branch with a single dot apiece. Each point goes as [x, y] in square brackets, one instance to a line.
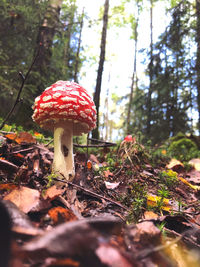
[24, 78]
[101, 143]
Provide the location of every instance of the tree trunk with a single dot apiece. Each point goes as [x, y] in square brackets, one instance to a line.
[76, 67]
[198, 58]
[46, 34]
[149, 97]
[95, 133]
[134, 77]
[66, 55]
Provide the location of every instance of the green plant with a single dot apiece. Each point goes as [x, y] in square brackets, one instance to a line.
[161, 227]
[135, 199]
[169, 178]
[50, 179]
[163, 192]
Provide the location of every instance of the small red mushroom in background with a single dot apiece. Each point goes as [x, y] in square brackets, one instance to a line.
[128, 138]
[67, 109]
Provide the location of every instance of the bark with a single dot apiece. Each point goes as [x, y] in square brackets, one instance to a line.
[67, 43]
[134, 76]
[77, 60]
[149, 97]
[46, 35]
[198, 58]
[95, 133]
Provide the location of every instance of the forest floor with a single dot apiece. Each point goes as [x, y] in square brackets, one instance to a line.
[121, 209]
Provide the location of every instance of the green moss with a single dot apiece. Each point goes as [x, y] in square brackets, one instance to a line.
[183, 149]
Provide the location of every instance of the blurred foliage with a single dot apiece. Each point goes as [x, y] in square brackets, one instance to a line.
[22, 23]
[183, 149]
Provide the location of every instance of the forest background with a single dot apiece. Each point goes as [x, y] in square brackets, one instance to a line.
[156, 96]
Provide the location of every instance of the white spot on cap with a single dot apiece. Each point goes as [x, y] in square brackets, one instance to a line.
[46, 98]
[75, 93]
[67, 98]
[48, 105]
[72, 112]
[82, 114]
[59, 88]
[64, 106]
[37, 99]
[83, 103]
[56, 95]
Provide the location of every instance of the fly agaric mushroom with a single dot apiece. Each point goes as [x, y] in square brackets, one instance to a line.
[128, 138]
[67, 109]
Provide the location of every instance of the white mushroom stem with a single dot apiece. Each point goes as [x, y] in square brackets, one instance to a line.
[63, 161]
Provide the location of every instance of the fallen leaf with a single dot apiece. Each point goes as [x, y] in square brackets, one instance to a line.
[111, 185]
[145, 233]
[21, 223]
[26, 199]
[107, 173]
[89, 165]
[60, 215]
[7, 187]
[193, 176]
[22, 137]
[175, 165]
[111, 256]
[53, 192]
[195, 163]
[53, 262]
[148, 215]
[11, 136]
[195, 187]
[77, 239]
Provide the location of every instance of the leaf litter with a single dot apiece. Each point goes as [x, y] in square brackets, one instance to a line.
[118, 211]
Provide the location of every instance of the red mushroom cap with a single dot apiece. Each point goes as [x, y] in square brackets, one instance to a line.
[65, 101]
[128, 138]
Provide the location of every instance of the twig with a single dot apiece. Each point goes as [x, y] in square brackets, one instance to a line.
[86, 146]
[101, 141]
[24, 78]
[87, 191]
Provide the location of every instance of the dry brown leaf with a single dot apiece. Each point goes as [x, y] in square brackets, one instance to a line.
[107, 173]
[24, 198]
[148, 215]
[7, 187]
[22, 137]
[60, 215]
[111, 256]
[111, 185]
[53, 192]
[11, 136]
[25, 137]
[195, 163]
[175, 165]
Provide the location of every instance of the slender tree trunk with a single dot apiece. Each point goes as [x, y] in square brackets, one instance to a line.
[106, 116]
[95, 133]
[76, 67]
[134, 77]
[149, 97]
[198, 58]
[68, 39]
[46, 35]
